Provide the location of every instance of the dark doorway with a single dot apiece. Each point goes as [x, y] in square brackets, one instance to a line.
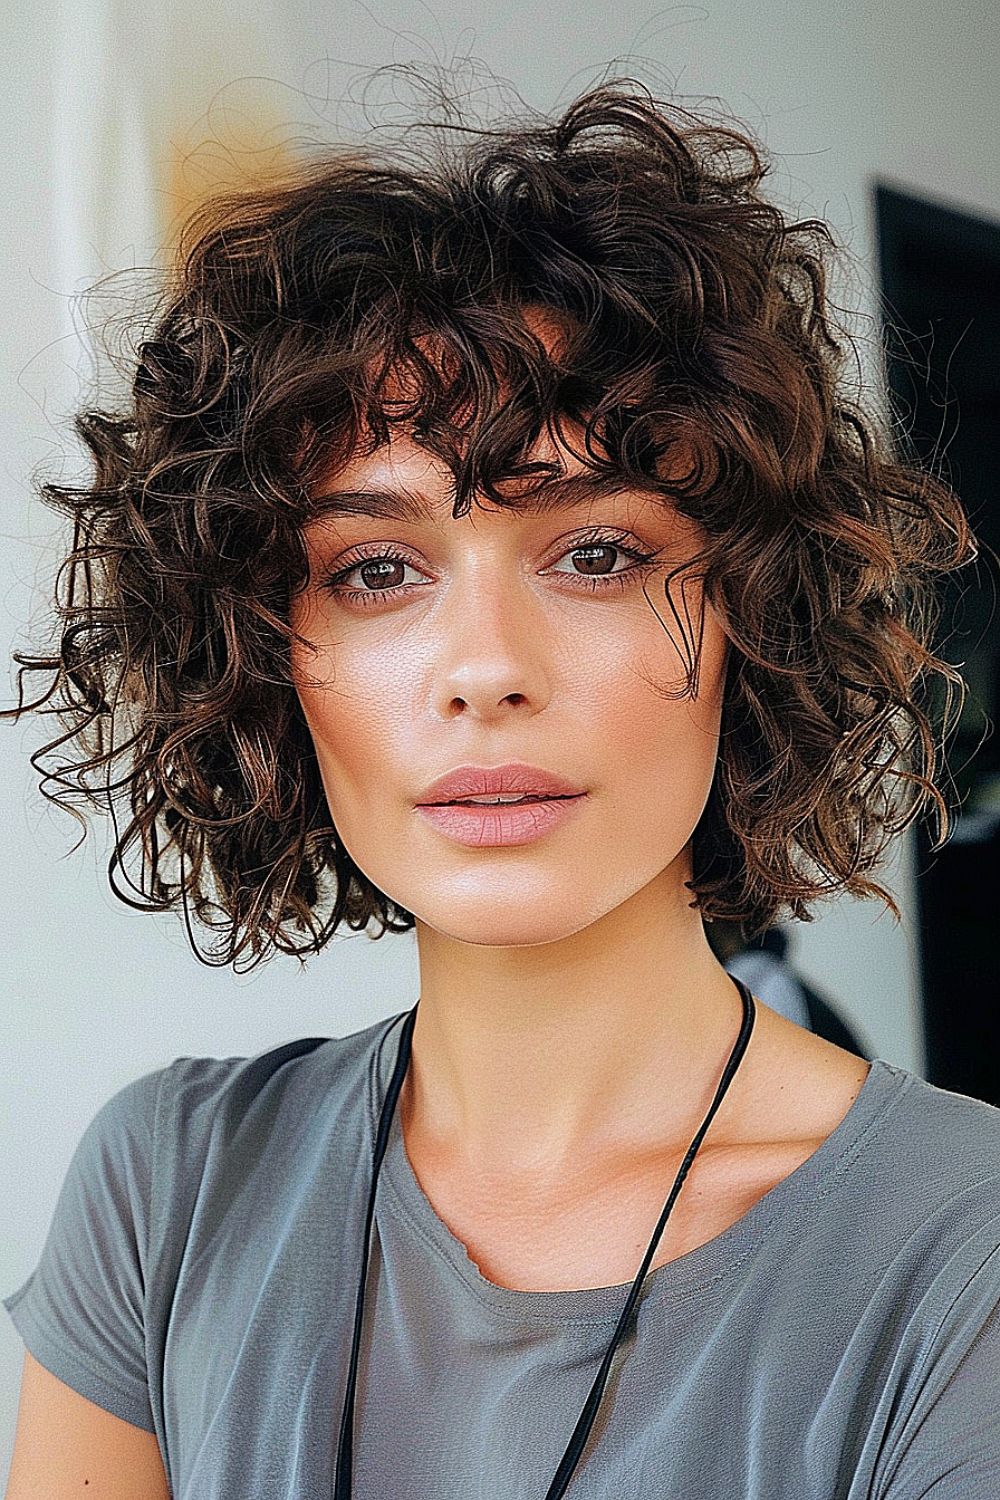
[940, 272]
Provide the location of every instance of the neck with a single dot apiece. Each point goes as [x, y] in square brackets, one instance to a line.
[614, 1035]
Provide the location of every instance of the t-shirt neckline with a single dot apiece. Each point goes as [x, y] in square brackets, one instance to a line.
[691, 1274]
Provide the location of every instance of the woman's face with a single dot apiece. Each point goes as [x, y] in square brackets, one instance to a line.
[498, 709]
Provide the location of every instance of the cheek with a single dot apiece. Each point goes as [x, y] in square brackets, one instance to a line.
[359, 708]
[643, 678]
[663, 753]
[661, 745]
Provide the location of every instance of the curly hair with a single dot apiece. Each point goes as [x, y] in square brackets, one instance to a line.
[699, 345]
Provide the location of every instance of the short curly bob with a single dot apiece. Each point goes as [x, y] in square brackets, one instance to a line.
[697, 325]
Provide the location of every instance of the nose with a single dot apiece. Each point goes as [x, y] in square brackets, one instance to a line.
[491, 659]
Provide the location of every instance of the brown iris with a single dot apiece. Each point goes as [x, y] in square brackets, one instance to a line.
[595, 559]
[383, 573]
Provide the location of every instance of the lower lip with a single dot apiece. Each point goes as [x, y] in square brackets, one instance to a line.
[502, 823]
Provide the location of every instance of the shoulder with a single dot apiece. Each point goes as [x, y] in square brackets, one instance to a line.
[892, 1176]
[198, 1106]
[927, 1232]
[939, 1154]
[877, 1128]
[907, 1191]
[912, 1158]
[946, 1142]
[176, 1151]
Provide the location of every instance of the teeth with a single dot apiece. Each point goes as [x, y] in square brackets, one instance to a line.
[493, 801]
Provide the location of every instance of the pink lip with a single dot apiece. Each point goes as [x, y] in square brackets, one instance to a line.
[553, 801]
[496, 781]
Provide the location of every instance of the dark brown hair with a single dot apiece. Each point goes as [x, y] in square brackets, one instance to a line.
[698, 344]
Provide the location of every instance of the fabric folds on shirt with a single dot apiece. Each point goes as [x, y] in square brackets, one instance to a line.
[841, 1340]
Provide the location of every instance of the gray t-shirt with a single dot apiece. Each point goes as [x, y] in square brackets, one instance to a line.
[841, 1339]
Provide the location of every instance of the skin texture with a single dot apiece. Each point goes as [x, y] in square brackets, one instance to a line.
[497, 648]
[573, 1021]
[66, 1446]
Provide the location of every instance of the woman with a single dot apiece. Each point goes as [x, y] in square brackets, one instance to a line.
[490, 548]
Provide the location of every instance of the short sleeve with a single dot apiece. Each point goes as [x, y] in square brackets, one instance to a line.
[950, 1441]
[81, 1312]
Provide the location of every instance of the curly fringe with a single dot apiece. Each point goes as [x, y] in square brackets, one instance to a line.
[376, 293]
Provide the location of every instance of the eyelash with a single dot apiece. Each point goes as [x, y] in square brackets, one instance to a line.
[334, 583]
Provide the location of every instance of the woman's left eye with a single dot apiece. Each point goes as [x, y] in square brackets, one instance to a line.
[598, 559]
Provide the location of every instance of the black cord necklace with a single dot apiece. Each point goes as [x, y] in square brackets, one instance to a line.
[570, 1459]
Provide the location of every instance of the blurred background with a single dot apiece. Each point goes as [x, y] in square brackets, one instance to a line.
[883, 120]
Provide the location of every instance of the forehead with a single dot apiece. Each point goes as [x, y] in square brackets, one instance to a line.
[401, 481]
[400, 486]
[550, 474]
[481, 392]
[466, 422]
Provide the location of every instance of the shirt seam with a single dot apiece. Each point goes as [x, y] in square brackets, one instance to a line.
[135, 1400]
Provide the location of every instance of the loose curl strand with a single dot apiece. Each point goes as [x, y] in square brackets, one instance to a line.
[375, 292]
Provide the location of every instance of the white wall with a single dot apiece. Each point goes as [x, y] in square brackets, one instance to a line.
[93, 994]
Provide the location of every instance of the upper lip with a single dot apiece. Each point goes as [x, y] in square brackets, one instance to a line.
[492, 781]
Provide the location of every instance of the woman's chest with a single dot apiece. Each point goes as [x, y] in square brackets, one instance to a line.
[593, 1228]
[469, 1391]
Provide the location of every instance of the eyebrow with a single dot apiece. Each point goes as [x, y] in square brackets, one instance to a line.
[559, 492]
[384, 504]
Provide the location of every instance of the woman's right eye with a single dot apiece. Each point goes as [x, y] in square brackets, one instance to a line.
[374, 575]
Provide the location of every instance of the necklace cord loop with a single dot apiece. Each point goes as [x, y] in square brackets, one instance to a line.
[343, 1474]
[344, 1469]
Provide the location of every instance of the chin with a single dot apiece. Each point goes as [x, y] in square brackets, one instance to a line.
[505, 919]
[501, 934]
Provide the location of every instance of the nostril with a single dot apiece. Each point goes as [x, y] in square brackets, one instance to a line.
[460, 705]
